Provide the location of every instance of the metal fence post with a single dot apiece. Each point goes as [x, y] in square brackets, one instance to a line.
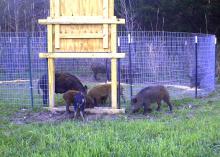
[119, 76]
[196, 75]
[216, 57]
[107, 70]
[130, 65]
[30, 69]
[46, 65]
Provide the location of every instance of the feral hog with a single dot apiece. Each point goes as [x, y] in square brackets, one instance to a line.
[99, 68]
[69, 99]
[101, 93]
[150, 95]
[63, 83]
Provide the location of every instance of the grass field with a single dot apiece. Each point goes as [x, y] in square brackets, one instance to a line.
[188, 131]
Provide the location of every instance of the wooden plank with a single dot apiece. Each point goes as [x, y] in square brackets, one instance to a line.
[105, 26]
[82, 55]
[51, 67]
[81, 7]
[95, 110]
[114, 65]
[96, 20]
[52, 8]
[111, 8]
[82, 36]
[104, 110]
[57, 27]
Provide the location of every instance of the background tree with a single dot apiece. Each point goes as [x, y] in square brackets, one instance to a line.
[201, 16]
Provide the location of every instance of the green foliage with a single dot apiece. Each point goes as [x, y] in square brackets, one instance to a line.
[178, 15]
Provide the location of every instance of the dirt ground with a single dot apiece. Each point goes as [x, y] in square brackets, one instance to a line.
[25, 116]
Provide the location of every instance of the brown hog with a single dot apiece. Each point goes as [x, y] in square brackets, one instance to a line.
[69, 99]
[99, 68]
[150, 95]
[101, 93]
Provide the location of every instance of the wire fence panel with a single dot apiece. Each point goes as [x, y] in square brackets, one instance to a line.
[152, 58]
[169, 59]
[14, 66]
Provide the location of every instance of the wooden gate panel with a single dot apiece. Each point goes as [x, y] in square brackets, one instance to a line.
[86, 38]
[77, 26]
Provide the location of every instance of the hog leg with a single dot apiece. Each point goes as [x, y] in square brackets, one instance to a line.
[146, 108]
[159, 104]
[95, 76]
[67, 108]
[103, 100]
[82, 108]
[82, 115]
[123, 97]
[167, 100]
[75, 106]
[45, 97]
[95, 102]
[75, 114]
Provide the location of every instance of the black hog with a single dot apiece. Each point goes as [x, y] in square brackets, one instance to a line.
[63, 83]
[69, 99]
[101, 93]
[99, 68]
[150, 95]
[79, 104]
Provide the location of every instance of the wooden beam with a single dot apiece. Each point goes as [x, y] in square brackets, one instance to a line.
[104, 110]
[81, 20]
[95, 110]
[82, 36]
[105, 26]
[82, 55]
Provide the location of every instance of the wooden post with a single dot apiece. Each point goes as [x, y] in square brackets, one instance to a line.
[50, 49]
[57, 27]
[105, 26]
[51, 68]
[114, 66]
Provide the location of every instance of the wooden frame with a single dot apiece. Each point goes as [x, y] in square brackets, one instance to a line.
[80, 21]
[83, 26]
[95, 110]
[82, 55]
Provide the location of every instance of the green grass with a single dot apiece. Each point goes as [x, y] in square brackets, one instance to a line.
[185, 133]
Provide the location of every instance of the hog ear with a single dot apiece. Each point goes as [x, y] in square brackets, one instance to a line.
[85, 87]
[134, 100]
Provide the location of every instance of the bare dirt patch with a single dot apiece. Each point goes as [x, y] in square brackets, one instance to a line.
[25, 116]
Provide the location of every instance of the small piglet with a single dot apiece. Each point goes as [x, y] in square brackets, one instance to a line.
[76, 98]
[150, 95]
[79, 104]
